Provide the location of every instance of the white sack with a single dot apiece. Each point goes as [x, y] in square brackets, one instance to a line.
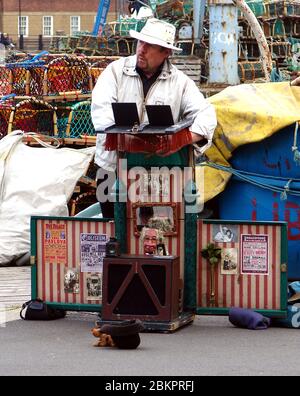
[34, 181]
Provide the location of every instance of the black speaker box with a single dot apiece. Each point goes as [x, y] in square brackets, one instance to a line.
[143, 287]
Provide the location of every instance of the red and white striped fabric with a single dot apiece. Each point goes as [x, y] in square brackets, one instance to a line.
[245, 291]
[50, 276]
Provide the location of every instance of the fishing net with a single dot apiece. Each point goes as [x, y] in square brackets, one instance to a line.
[5, 81]
[80, 121]
[66, 74]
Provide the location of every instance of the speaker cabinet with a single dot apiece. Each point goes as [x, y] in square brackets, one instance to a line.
[141, 287]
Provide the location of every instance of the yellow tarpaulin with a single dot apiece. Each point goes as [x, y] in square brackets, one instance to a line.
[246, 113]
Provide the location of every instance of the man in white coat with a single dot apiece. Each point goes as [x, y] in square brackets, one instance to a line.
[148, 78]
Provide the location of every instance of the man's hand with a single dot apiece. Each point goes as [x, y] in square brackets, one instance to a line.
[296, 82]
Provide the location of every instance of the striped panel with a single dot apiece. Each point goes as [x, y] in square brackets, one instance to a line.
[175, 245]
[245, 291]
[50, 276]
[176, 189]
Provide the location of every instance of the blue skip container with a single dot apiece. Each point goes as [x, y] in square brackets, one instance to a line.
[266, 198]
[272, 156]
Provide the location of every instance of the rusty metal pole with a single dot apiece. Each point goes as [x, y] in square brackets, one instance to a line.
[265, 52]
[223, 42]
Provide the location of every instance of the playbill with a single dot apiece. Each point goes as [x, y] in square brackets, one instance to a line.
[255, 254]
[92, 252]
[55, 243]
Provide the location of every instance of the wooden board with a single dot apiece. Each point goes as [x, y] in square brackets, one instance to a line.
[191, 66]
[14, 285]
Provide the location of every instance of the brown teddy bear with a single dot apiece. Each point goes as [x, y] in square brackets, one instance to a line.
[105, 340]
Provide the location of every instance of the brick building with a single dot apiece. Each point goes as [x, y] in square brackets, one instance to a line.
[50, 17]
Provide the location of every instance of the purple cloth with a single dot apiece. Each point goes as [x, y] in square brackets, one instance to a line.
[248, 319]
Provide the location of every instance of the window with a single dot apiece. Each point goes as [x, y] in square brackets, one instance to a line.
[23, 26]
[48, 26]
[75, 24]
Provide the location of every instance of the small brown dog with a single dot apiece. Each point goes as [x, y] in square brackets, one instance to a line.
[105, 340]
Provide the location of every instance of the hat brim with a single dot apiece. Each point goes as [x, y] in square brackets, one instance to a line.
[152, 40]
[124, 329]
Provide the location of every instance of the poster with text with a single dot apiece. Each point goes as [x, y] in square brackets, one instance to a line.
[92, 252]
[255, 254]
[55, 243]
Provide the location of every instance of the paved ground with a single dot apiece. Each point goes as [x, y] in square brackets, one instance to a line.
[211, 346]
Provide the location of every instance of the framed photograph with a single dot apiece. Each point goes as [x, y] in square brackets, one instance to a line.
[94, 287]
[229, 261]
[71, 281]
[225, 233]
[161, 216]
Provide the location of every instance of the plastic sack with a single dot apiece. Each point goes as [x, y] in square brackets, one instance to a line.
[34, 182]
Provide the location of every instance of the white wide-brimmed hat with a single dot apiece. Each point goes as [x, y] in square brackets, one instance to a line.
[157, 32]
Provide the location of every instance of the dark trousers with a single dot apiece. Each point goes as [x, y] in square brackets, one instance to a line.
[107, 208]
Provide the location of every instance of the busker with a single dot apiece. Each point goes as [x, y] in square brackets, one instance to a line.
[149, 78]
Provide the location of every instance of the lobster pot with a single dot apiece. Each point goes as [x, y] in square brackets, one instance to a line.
[99, 64]
[257, 7]
[19, 79]
[266, 198]
[5, 81]
[65, 75]
[250, 71]
[5, 116]
[281, 49]
[34, 116]
[36, 81]
[282, 8]
[80, 121]
[63, 110]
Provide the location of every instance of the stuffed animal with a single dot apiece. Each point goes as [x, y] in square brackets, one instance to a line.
[105, 340]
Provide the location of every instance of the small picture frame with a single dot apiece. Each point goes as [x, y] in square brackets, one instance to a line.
[162, 216]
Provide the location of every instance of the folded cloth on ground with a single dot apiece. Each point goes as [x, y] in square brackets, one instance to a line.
[246, 318]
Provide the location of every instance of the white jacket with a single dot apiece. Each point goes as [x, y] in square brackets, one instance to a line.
[120, 82]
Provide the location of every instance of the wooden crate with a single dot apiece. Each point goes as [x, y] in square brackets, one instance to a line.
[190, 65]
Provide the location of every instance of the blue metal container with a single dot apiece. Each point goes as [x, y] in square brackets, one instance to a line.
[272, 156]
[265, 198]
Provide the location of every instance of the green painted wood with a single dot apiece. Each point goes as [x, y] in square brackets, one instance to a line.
[179, 159]
[33, 239]
[190, 251]
[75, 307]
[80, 219]
[225, 312]
[120, 209]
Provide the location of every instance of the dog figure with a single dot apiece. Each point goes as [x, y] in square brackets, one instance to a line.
[105, 340]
